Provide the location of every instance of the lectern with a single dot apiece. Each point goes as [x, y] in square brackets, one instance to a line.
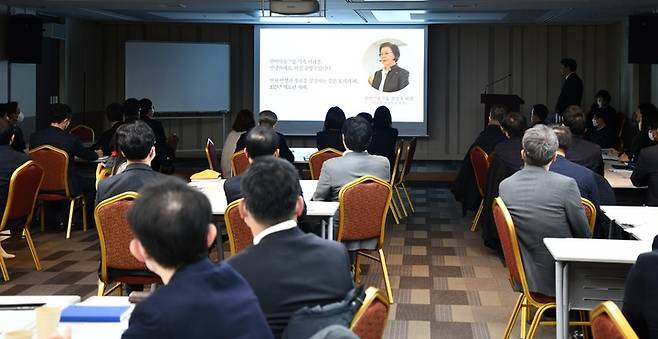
[511, 101]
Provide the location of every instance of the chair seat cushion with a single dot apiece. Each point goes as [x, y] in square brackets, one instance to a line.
[52, 196]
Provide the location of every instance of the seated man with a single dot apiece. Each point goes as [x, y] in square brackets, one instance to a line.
[646, 170]
[353, 164]
[509, 150]
[538, 114]
[603, 134]
[200, 299]
[114, 114]
[11, 160]
[542, 204]
[162, 149]
[135, 141]
[640, 296]
[581, 151]
[287, 268]
[269, 119]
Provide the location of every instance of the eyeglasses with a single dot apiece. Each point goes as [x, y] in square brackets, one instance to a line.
[385, 53]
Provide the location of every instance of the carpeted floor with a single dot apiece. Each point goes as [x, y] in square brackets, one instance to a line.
[446, 284]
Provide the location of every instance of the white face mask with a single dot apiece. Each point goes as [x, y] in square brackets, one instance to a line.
[595, 122]
[599, 103]
[639, 125]
[20, 117]
[651, 137]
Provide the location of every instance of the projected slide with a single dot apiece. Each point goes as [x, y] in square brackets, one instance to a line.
[301, 72]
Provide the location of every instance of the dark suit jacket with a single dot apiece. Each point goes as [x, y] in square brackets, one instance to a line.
[646, 173]
[605, 137]
[586, 153]
[130, 180]
[11, 160]
[509, 152]
[284, 150]
[641, 296]
[161, 145]
[383, 143]
[330, 138]
[104, 141]
[584, 178]
[19, 140]
[571, 93]
[202, 300]
[396, 79]
[290, 269]
[68, 143]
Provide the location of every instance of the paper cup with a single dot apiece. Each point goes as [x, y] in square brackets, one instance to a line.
[47, 321]
[19, 334]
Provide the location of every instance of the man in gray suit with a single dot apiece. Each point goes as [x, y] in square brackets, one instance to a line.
[542, 204]
[355, 162]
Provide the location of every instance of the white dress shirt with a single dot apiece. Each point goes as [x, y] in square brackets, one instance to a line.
[381, 83]
[286, 225]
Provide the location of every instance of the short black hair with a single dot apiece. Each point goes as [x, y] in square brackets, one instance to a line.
[358, 133]
[648, 111]
[498, 112]
[569, 63]
[11, 107]
[6, 132]
[514, 124]
[603, 94]
[114, 112]
[3, 110]
[244, 121]
[394, 48]
[334, 119]
[541, 111]
[145, 104]
[650, 119]
[267, 117]
[261, 141]
[366, 116]
[59, 112]
[171, 221]
[135, 140]
[131, 109]
[382, 119]
[270, 188]
[574, 118]
[563, 136]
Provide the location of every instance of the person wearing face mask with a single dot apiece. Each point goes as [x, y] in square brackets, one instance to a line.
[391, 78]
[646, 170]
[636, 137]
[601, 107]
[603, 135]
[14, 116]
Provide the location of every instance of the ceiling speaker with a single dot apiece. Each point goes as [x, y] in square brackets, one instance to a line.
[294, 7]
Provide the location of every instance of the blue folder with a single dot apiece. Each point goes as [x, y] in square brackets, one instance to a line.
[94, 314]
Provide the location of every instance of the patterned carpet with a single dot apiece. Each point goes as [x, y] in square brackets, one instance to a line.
[446, 284]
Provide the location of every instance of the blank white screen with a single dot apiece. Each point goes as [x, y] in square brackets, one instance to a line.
[179, 77]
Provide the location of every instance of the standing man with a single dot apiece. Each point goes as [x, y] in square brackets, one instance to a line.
[572, 88]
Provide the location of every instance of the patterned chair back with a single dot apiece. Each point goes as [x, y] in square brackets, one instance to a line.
[239, 163]
[609, 323]
[480, 162]
[84, 133]
[590, 212]
[364, 204]
[22, 194]
[316, 160]
[239, 234]
[55, 163]
[369, 321]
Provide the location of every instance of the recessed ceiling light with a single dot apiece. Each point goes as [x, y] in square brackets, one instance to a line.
[397, 15]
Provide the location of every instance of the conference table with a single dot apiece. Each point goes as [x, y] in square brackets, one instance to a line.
[638, 221]
[618, 178]
[302, 154]
[589, 271]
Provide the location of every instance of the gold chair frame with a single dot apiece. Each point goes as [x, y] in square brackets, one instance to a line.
[610, 309]
[395, 210]
[403, 177]
[229, 230]
[372, 294]
[476, 219]
[240, 153]
[318, 153]
[588, 205]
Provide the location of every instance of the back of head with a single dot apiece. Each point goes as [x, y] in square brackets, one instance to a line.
[540, 144]
[540, 111]
[6, 132]
[131, 109]
[145, 106]
[574, 118]
[268, 118]
[563, 135]
[382, 119]
[270, 188]
[569, 63]
[649, 112]
[244, 121]
[261, 141]
[514, 124]
[334, 119]
[11, 107]
[650, 119]
[498, 113]
[357, 133]
[135, 140]
[366, 116]
[114, 112]
[171, 221]
[59, 112]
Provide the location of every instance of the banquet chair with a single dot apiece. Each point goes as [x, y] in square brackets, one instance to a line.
[480, 163]
[609, 323]
[404, 173]
[239, 234]
[395, 172]
[364, 204]
[527, 300]
[239, 163]
[211, 155]
[114, 236]
[102, 173]
[316, 160]
[369, 320]
[55, 185]
[590, 212]
[84, 133]
[21, 198]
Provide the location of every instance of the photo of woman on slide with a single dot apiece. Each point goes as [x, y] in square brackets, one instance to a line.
[391, 78]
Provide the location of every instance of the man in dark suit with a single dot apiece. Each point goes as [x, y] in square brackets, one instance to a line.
[395, 77]
[464, 188]
[114, 114]
[641, 296]
[542, 204]
[603, 134]
[162, 150]
[13, 114]
[269, 118]
[572, 87]
[199, 299]
[287, 268]
[135, 141]
[646, 170]
[581, 151]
